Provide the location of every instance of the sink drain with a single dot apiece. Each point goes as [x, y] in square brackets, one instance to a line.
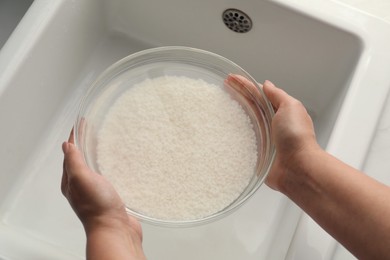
[236, 20]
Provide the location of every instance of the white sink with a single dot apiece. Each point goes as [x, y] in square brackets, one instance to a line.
[11, 12]
[331, 57]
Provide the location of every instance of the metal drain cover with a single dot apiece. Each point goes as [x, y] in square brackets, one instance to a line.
[236, 20]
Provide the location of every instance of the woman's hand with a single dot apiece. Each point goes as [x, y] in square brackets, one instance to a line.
[100, 209]
[292, 128]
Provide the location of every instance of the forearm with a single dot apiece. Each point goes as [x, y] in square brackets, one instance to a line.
[113, 242]
[349, 205]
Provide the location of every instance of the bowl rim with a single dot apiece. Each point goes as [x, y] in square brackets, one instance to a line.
[107, 75]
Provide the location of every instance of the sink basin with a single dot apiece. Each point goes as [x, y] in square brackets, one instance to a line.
[331, 57]
[10, 14]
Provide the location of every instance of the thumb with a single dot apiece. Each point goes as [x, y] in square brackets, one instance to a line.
[276, 95]
[74, 163]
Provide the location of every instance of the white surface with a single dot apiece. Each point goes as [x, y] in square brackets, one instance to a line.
[377, 163]
[377, 8]
[61, 46]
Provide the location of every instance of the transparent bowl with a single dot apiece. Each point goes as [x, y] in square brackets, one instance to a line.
[177, 61]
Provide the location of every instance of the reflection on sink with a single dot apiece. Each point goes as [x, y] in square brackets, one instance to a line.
[60, 48]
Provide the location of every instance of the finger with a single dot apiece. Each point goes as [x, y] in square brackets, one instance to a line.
[244, 91]
[244, 82]
[64, 183]
[74, 163]
[248, 95]
[231, 82]
[243, 86]
[71, 136]
[275, 95]
[64, 179]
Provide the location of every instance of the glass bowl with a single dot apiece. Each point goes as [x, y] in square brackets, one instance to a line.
[182, 62]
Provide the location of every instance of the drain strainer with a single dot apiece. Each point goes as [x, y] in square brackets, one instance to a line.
[236, 20]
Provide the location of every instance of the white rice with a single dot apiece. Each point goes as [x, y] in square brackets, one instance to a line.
[177, 148]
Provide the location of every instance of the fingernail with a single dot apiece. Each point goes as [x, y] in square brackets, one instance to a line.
[65, 147]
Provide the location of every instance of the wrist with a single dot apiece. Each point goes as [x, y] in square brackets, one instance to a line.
[116, 221]
[104, 221]
[298, 169]
[122, 237]
[114, 229]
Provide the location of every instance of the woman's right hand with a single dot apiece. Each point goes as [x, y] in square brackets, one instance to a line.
[292, 132]
[292, 129]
